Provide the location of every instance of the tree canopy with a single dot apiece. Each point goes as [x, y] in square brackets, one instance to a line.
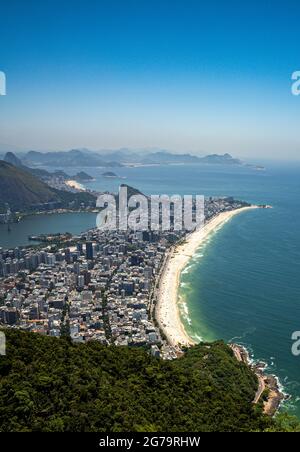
[51, 384]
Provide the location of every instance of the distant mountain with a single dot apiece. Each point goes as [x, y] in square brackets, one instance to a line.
[225, 159]
[59, 173]
[43, 174]
[82, 177]
[169, 158]
[131, 191]
[23, 191]
[14, 160]
[123, 157]
[110, 174]
[73, 158]
[163, 157]
[166, 158]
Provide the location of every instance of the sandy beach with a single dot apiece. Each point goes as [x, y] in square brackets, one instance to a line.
[167, 312]
[75, 184]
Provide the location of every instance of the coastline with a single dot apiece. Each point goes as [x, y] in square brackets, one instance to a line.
[59, 211]
[75, 184]
[167, 311]
[266, 382]
[168, 316]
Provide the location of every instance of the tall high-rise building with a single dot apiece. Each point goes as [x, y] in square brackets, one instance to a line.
[68, 255]
[89, 250]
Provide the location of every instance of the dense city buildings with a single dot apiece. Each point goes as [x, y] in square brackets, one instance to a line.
[99, 285]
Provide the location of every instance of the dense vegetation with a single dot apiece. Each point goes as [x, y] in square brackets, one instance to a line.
[21, 190]
[49, 384]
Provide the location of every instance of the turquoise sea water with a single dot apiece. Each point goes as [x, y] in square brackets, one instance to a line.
[244, 282]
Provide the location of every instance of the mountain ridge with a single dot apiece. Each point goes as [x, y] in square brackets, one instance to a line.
[23, 191]
[122, 157]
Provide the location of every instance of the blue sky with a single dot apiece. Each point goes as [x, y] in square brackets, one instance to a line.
[211, 76]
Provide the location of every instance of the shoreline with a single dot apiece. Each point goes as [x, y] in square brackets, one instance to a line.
[168, 315]
[266, 382]
[167, 311]
[75, 185]
[60, 211]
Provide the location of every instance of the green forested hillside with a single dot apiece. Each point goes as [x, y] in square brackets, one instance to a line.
[20, 189]
[49, 384]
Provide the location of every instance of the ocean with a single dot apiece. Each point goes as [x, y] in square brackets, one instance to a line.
[243, 284]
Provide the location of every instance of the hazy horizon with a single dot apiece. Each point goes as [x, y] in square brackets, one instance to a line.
[203, 79]
[247, 159]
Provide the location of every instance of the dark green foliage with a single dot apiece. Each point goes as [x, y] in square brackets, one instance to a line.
[67, 197]
[21, 189]
[284, 422]
[49, 384]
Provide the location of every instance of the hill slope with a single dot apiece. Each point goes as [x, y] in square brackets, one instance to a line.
[22, 190]
[49, 384]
